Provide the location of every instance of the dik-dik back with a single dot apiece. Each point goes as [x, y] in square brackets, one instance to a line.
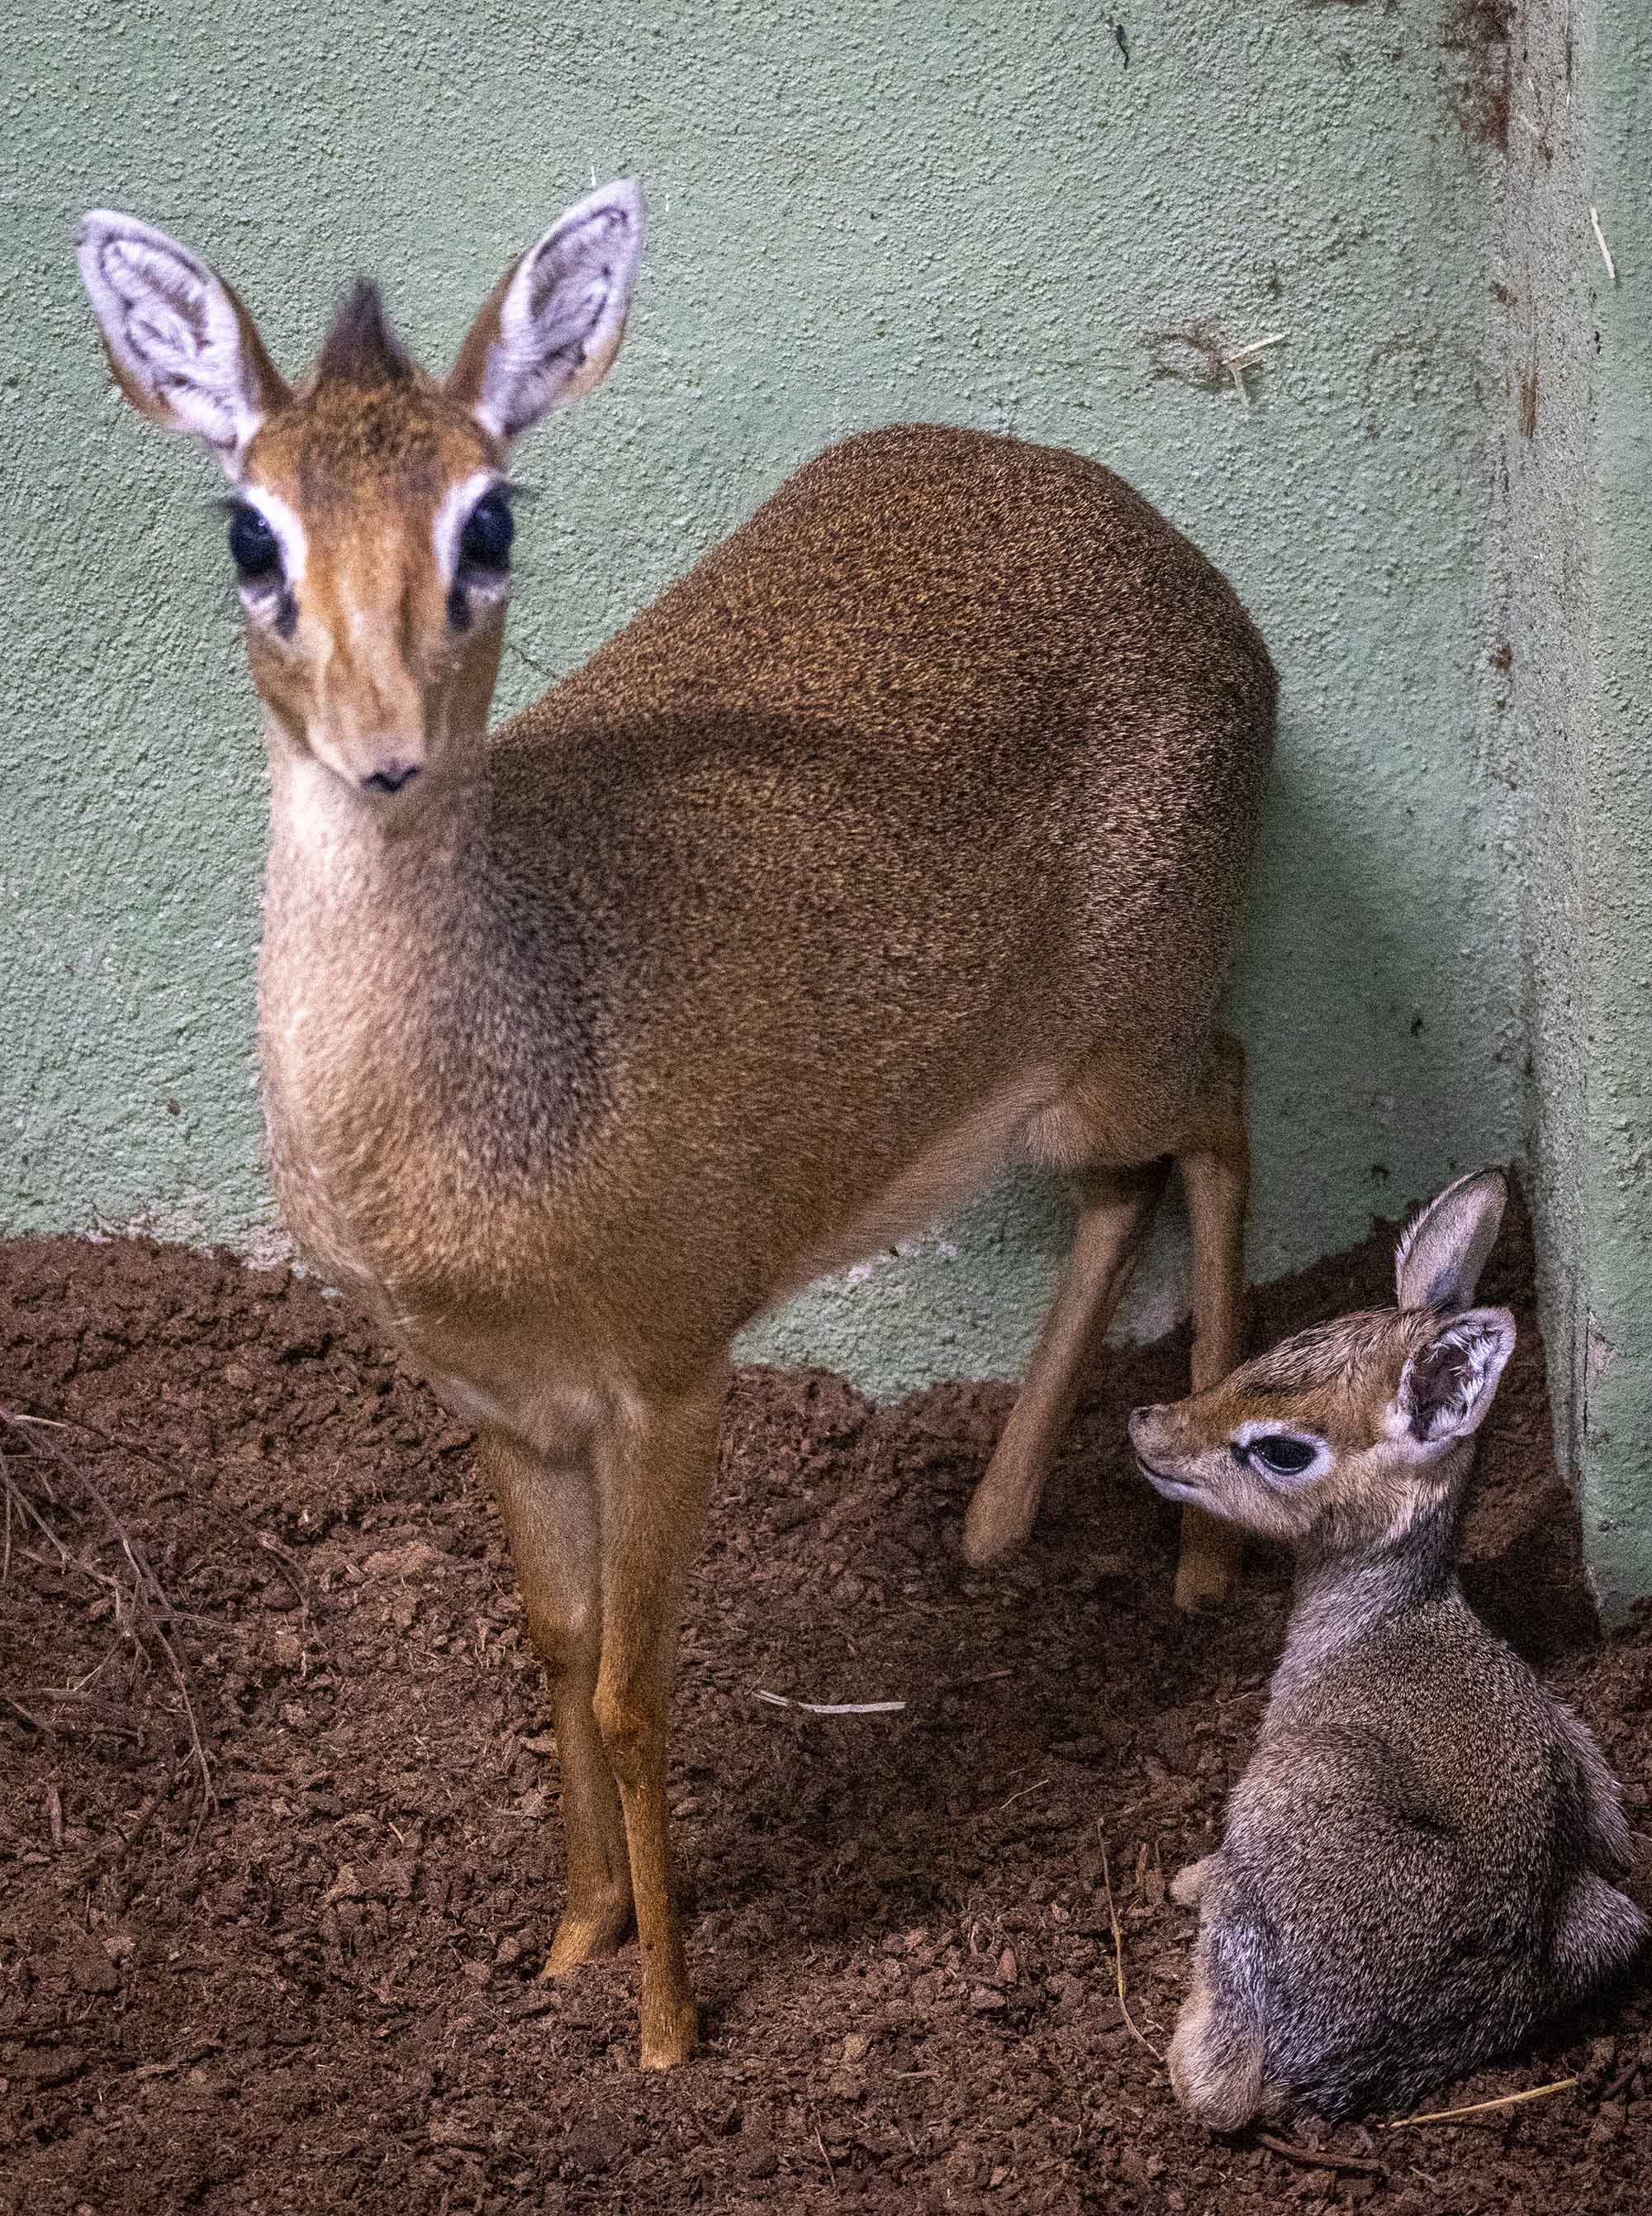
[902, 838]
[924, 800]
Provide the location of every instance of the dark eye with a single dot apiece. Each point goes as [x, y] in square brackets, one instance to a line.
[1282, 1455]
[254, 547]
[485, 541]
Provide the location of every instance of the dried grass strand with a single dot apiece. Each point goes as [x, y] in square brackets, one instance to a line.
[1482, 2107]
[144, 1615]
[1156, 2053]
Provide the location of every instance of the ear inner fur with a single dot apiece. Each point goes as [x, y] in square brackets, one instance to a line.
[1456, 1373]
[552, 326]
[181, 346]
[1441, 1252]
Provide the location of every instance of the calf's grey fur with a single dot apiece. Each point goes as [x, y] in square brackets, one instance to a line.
[1419, 1862]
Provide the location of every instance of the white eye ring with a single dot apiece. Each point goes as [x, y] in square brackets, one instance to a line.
[1250, 1444]
[457, 504]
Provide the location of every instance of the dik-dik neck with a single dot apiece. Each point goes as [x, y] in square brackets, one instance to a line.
[427, 986]
[1348, 1586]
[370, 914]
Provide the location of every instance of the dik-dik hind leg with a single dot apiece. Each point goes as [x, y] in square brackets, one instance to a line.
[657, 1468]
[551, 1522]
[1216, 2057]
[1214, 1158]
[1116, 1208]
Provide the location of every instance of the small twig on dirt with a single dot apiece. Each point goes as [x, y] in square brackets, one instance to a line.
[92, 1432]
[1481, 2107]
[150, 1608]
[1156, 2053]
[196, 2053]
[18, 1502]
[1040, 1785]
[1292, 2151]
[288, 1560]
[119, 1844]
[1620, 2082]
[54, 1816]
[831, 1707]
[825, 2158]
[146, 1578]
[18, 1708]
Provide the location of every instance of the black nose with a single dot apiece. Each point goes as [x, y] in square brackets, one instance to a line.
[390, 779]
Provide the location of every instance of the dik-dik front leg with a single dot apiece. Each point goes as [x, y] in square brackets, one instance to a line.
[551, 1521]
[656, 1465]
[1215, 1163]
[1116, 1208]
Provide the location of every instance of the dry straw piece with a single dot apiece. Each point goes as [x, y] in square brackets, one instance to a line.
[1481, 2107]
[1158, 2053]
[832, 1707]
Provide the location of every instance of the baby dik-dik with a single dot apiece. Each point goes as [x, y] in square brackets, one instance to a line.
[904, 835]
[1417, 1861]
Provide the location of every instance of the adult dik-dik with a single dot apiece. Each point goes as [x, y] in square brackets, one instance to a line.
[904, 835]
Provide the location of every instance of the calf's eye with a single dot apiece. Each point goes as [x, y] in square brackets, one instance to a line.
[1281, 1456]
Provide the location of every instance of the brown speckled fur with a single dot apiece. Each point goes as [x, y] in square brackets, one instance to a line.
[943, 767]
[906, 834]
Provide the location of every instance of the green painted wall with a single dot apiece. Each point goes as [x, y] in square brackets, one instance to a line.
[1575, 524]
[980, 211]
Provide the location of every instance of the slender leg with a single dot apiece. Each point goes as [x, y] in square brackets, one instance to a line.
[1216, 2057]
[551, 1522]
[657, 1466]
[1117, 1207]
[1215, 1164]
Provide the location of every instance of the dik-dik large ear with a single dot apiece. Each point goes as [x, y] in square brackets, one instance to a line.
[554, 322]
[183, 350]
[1438, 1262]
[1447, 1386]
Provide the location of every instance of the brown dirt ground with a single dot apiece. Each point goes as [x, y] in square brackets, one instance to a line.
[318, 1992]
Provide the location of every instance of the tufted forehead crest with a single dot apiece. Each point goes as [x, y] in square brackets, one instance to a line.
[1329, 1354]
[360, 348]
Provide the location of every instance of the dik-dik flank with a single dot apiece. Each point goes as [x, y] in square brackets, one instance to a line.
[1419, 1859]
[903, 836]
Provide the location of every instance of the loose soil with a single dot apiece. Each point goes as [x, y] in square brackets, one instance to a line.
[316, 1991]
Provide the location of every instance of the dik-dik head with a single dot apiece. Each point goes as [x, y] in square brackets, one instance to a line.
[370, 521]
[1345, 1432]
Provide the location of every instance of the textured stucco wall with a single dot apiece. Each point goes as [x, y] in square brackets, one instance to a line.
[1577, 537]
[860, 212]
[1548, 591]
[1617, 1459]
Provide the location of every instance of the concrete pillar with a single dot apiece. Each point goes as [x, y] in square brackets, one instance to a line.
[1575, 542]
